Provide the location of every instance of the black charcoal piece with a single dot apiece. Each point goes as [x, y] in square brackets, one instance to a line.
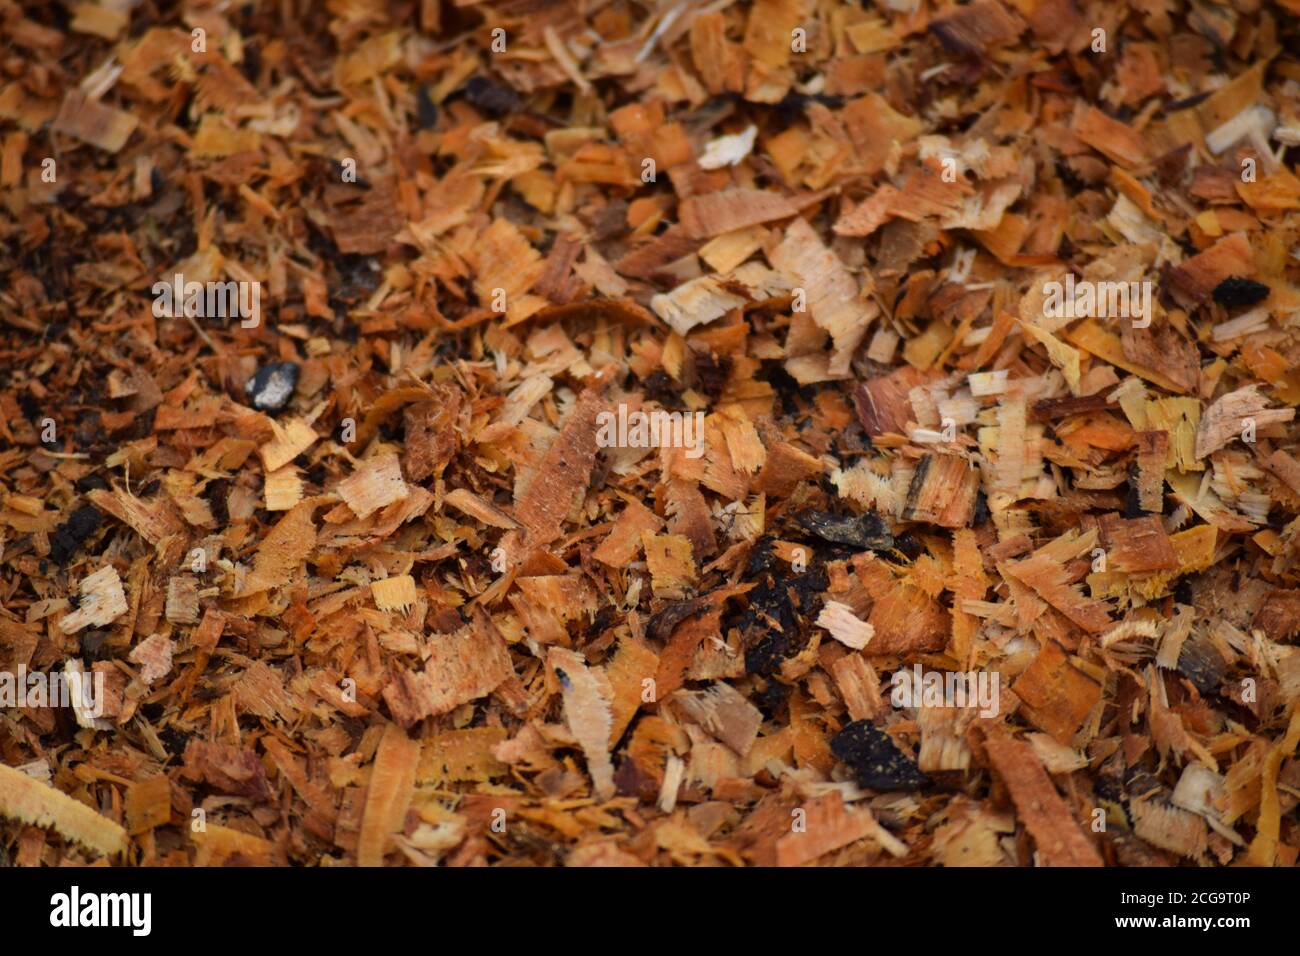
[1201, 664]
[491, 97]
[93, 645]
[858, 531]
[67, 538]
[1235, 291]
[876, 762]
[272, 387]
[91, 482]
[426, 110]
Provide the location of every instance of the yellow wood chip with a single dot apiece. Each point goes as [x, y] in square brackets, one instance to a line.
[31, 802]
[148, 804]
[668, 556]
[288, 442]
[395, 593]
[283, 489]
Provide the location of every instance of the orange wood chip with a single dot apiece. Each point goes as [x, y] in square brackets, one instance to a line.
[1058, 697]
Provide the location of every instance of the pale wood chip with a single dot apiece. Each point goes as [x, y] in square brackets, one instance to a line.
[183, 599]
[377, 483]
[28, 801]
[153, 521]
[697, 302]
[154, 655]
[672, 568]
[218, 844]
[845, 626]
[283, 550]
[1169, 827]
[147, 804]
[1195, 279]
[859, 686]
[621, 545]
[1117, 141]
[261, 691]
[504, 260]
[1228, 417]
[430, 433]
[282, 489]
[943, 491]
[471, 504]
[567, 465]
[1057, 697]
[288, 441]
[102, 601]
[461, 667]
[587, 696]
[829, 825]
[832, 292]
[631, 674]
[1049, 578]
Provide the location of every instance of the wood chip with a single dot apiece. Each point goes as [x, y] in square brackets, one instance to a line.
[101, 601]
[1046, 816]
[30, 802]
[377, 484]
[388, 794]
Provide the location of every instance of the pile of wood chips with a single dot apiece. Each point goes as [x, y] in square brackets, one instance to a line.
[362, 579]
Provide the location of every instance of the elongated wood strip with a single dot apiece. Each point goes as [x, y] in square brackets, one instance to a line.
[1045, 815]
[32, 802]
[392, 784]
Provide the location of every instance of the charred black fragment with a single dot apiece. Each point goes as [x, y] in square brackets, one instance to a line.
[773, 700]
[426, 110]
[660, 388]
[1201, 664]
[907, 548]
[867, 531]
[762, 558]
[1133, 498]
[91, 482]
[493, 98]
[770, 624]
[711, 373]
[68, 537]
[1235, 291]
[876, 762]
[93, 645]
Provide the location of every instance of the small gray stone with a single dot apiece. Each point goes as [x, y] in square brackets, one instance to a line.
[272, 387]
